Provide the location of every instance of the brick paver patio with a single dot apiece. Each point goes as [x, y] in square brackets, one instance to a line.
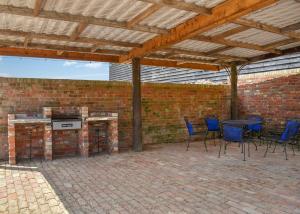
[163, 179]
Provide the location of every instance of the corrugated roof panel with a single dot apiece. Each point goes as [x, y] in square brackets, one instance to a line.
[119, 10]
[167, 18]
[257, 37]
[116, 34]
[65, 43]
[35, 24]
[195, 57]
[243, 52]
[281, 14]
[292, 45]
[12, 38]
[206, 3]
[221, 29]
[197, 45]
[19, 3]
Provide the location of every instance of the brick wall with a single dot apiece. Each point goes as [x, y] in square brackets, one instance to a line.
[275, 97]
[164, 106]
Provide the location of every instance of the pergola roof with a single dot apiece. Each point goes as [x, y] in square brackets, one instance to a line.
[200, 34]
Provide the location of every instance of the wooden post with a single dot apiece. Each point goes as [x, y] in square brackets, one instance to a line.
[137, 109]
[234, 101]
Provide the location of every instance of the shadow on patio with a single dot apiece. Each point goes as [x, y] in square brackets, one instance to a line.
[162, 179]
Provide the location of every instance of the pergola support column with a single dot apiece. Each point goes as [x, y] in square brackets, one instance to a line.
[137, 106]
[234, 99]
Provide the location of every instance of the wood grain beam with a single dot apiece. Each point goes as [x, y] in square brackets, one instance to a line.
[221, 14]
[27, 40]
[143, 15]
[217, 50]
[23, 52]
[181, 5]
[38, 7]
[78, 30]
[292, 27]
[231, 32]
[60, 48]
[24, 11]
[279, 43]
[267, 28]
[234, 44]
[175, 64]
[67, 38]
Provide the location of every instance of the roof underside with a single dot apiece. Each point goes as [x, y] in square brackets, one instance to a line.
[101, 30]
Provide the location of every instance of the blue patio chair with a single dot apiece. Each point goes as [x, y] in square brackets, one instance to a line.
[234, 134]
[289, 135]
[255, 129]
[191, 133]
[213, 126]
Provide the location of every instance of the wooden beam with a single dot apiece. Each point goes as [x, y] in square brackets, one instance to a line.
[231, 32]
[61, 48]
[279, 43]
[66, 38]
[38, 7]
[181, 59]
[137, 105]
[181, 5]
[24, 11]
[197, 53]
[292, 27]
[267, 28]
[271, 55]
[22, 52]
[217, 50]
[234, 98]
[174, 63]
[143, 15]
[235, 44]
[27, 40]
[224, 13]
[78, 30]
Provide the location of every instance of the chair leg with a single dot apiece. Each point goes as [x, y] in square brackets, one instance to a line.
[220, 148]
[205, 146]
[214, 136]
[275, 146]
[188, 143]
[286, 157]
[244, 146]
[225, 147]
[293, 149]
[265, 155]
[205, 136]
[255, 146]
[249, 149]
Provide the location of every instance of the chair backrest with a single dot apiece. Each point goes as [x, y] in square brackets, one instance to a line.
[189, 126]
[255, 127]
[212, 123]
[232, 133]
[291, 130]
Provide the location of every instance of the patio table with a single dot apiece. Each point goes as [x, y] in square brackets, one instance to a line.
[241, 123]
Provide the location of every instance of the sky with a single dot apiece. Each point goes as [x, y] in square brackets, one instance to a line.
[52, 68]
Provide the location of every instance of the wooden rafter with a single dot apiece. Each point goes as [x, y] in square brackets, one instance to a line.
[221, 14]
[292, 27]
[235, 44]
[27, 40]
[24, 11]
[173, 63]
[267, 28]
[143, 15]
[217, 50]
[66, 38]
[60, 48]
[78, 30]
[181, 5]
[231, 32]
[11, 51]
[279, 43]
[38, 7]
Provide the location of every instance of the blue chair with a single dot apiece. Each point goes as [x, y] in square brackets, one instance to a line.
[289, 135]
[234, 134]
[256, 129]
[191, 133]
[213, 126]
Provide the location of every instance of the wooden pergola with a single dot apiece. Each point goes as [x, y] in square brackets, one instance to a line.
[195, 34]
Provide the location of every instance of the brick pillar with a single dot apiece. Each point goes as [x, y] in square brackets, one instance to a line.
[84, 134]
[113, 135]
[11, 140]
[48, 154]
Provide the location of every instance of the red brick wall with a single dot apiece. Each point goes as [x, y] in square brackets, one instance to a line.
[164, 106]
[275, 98]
